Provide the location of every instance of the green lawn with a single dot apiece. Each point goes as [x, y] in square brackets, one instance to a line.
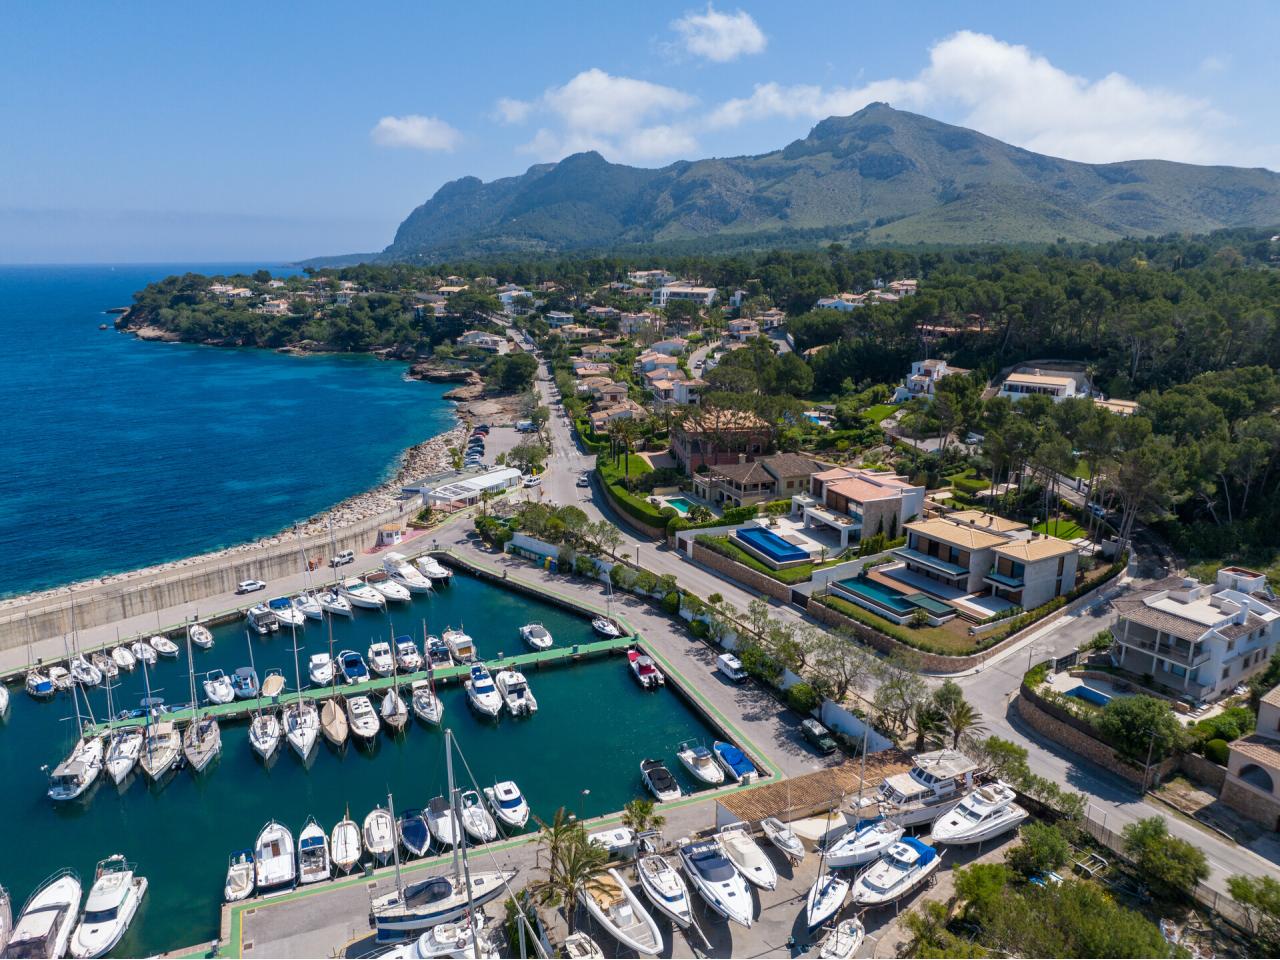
[1063, 527]
[880, 411]
[1082, 469]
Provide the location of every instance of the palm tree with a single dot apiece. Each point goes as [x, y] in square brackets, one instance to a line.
[638, 815]
[928, 721]
[574, 864]
[960, 718]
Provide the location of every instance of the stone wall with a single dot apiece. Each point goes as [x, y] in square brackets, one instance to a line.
[636, 524]
[751, 579]
[1252, 803]
[1202, 770]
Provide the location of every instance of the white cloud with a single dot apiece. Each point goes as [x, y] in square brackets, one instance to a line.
[718, 36]
[416, 132]
[511, 110]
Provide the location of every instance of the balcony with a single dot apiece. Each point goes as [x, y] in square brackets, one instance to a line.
[997, 579]
[950, 570]
[1181, 655]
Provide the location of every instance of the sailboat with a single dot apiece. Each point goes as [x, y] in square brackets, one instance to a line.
[143, 651]
[306, 602]
[162, 743]
[827, 895]
[124, 658]
[394, 713]
[301, 718]
[122, 748]
[264, 728]
[333, 716]
[71, 778]
[427, 707]
[103, 663]
[202, 739]
[344, 843]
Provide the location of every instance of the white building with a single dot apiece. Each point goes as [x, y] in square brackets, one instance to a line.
[683, 290]
[459, 490]
[1056, 385]
[924, 375]
[483, 341]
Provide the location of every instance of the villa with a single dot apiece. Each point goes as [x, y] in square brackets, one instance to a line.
[622, 410]
[1123, 408]
[924, 375]
[855, 503]
[1253, 768]
[483, 341]
[714, 436]
[651, 278]
[744, 330]
[633, 323]
[683, 290]
[672, 346]
[590, 368]
[1057, 385]
[604, 313]
[558, 318]
[744, 483]
[652, 360]
[576, 331]
[845, 302]
[274, 308]
[597, 351]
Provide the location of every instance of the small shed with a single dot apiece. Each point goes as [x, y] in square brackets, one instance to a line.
[390, 534]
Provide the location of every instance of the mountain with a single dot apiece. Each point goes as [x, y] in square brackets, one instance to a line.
[880, 175]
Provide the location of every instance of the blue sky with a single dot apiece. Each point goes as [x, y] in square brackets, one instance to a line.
[149, 131]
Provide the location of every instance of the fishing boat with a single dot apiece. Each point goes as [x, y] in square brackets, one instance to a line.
[202, 738]
[334, 603]
[105, 666]
[700, 762]
[427, 707]
[825, 898]
[360, 594]
[123, 748]
[659, 780]
[161, 749]
[124, 658]
[904, 867]
[408, 658]
[379, 834]
[443, 822]
[218, 687]
[76, 774]
[163, 646]
[261, 620]
[286, 613]
[842, 941]
[481, 692]
[333, 721]
[272, 684]
[393, 711]
[462, 649]
[433, 568]
[665, 888]
[614, 906]
[313, 853]
[404, 573]
[83, 672]
[353, 667]
[264, 733]
[307, 605]
[508, 804]
[362, 719]
[320, 669]
[717, 880]
[112, 904]
[143, 651]
[344, 844]
[784, 838]
[987, 812]
[44, 926]
[38, 684]
[240, 877]
[645, 670]
[606, 627]
[381, 661]
[415, 836]
[273, 857]
[752, 862]
[244, 681]
[936, 782]
[476, 820]
[200, 635]
[865, 841]
[737, 765]
[536, 635]
[391, 589]
[517, 696]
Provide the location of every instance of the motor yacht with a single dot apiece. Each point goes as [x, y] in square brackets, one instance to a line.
[462, 649]
[481, 692]
[752, 862]
[717, 880]
[508, 804]
[700, 762]
[44, 926]
[936, 782]
[904, 867]
[261, 620]
[320, 670]
[415, 836]
[433, 568]
[273, 857]
[391, 589]
[362, 719]
[75, 775]
[536, 635]
[517, 696]
[659, 780]
[737, 765]
[313, 854]
[443, 822]
[406, 574]
[286, 613]
[380, 659]
[665, 888]
[987, 812]
[408, 659]
[613, 905]
[112, 904]
[360, 594]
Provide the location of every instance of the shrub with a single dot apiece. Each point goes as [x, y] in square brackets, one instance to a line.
[584, 566]
[1041, 848]
[671, 602]
[699, 629]
[1036, 675]
[1217, 751]
[1232, 724]
[1169, 865]
[1139, 725]
[802, 698]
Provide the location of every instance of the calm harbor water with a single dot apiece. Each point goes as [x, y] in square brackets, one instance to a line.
[593, 727]
[119, 454]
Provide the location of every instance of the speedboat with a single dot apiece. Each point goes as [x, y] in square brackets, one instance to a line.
[105, 666]
[240, 877]
[353, 667]
[515, 692]
[344, 844]
[906, 865]
[320, 670]
[333, 721]
[717, 880]
[273, 857]
[71, 778]
[437, 653]
[380, 660]
[379, 834]
[286, 612]
[433, 568]
[435, 900]
[307, 605]
[313, 853]
[605, 627]
[665, 888]
[408, 659]
[201, 742]
[360, 594]
[461, 647]
[752, 862]
[143, 651]
[481, 692]
[700, 762]
[614, 906]
[415, 837]
[334, 603]
[843, 941]
[508, 804]
[261, 620]
[124, 747]
[218, 687]
[44, 926]
[394, 713]
[536, 636]
[83, 672]
[863, 842]
[302, 727]
[825, 898]
[476, 819]
[164, 646]
[936, 782]
[427, 707]
[199, 635]
[244, 681]
[645, 670]
[113, 901]
[579, 946]
[736, 763]
[4, 699]
[161, 750]
[39, 685]
[404, 573]
[784, 838]
[264, 734]
[443, 822]
[987, 812]
[362, 718]
[391, 589]
[659, 780]
[124, 657]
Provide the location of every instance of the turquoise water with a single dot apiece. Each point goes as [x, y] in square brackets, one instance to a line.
[888, 598]
[682, 505]
[771, 545]
[593, 727]
[119, 454]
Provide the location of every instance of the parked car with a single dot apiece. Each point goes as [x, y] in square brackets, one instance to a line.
[1098, 510]
[250, 586]
[532, 481]
[584, 480]
[342, 559]
[818, 736]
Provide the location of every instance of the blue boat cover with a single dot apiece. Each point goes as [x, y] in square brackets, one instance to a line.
[735, 758]
[868, 822]
[926, 852]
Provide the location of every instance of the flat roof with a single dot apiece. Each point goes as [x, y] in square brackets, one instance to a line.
[1040, 378]
[987, 521]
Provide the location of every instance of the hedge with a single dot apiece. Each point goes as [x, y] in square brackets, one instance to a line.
[732, 516]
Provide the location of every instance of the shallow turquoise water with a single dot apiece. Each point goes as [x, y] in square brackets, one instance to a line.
[593, 727]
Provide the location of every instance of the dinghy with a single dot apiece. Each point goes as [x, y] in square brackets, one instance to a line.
[313, 853]
[379, 834]
[665, 888]
[746, 855]
[717, 880]
[782, 837]
[344, 844]
[614, 906]
[508, 804]
[218, 688]
[240, 877]
[200, 635]
[273, 857]
[110, 908]
[244, 681]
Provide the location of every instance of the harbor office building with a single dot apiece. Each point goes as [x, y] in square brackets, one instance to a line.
[457, 489]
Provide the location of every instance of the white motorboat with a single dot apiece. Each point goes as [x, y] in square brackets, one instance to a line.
[605, 627]
[379, 834]
[241, 877]
[264, 733]
[334, 603]
[200, 635]
[460, 645]
[333, 722]
[516, 694]
[393, 710]
[143, 651]
[71, 778]
[38, 684]
[665, 888]
[408, 657]
[164, 646]
[659, 780]
[112, 904]
[406, 574]
[936, 782]
[645, 670]
[752, 862]
[320, 669]
[987, 812]
[201, 742]
[614, 906]
[463, 938]
[434, 901]
[218, 688]
[826, 897]
[272, 684]
[443, 822]
[427, 707]
[784, 838]
[476, 820]
[124, 657]
[273, 857]
[481, 692]
[344, 844]
[843, 940]
[536, 636]
[717, 880]
[261, 620]
[124, 747]
[360, 594]
[433, 568]
[904, 867]
[865, 841]
[307, 605]
[700, 762]
[391, 589]
[286, 612]
[313, 853]
[161, 750]
[362, 719]
[508, 804]
[302, 727]
[4, 699]
[44, 926]
[83, 672]
[736, 764]
[579, 946]
[380, 659]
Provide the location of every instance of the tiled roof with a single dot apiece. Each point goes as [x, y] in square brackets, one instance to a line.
[1259, 750]
[804, 795]
[1041, 548]
[791, 465]
[957, 534]
[1272, 697]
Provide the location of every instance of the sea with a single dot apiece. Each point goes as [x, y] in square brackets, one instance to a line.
[118, 453]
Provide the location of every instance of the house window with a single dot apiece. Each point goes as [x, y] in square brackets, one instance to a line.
[1226, 672]
[1177, 671]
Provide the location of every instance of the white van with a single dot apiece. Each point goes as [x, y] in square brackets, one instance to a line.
[731, 667]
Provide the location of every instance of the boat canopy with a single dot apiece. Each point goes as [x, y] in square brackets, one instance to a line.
[926, 852]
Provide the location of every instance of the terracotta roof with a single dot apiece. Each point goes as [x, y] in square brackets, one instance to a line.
[813, 792]
[753, 472]
[1039, 378]
[987, 521]
[861, 490]
[957, 534]
[1041, 548]
[1272, 697]
[1258, 749]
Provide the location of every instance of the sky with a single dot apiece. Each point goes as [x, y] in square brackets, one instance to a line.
[253, 131]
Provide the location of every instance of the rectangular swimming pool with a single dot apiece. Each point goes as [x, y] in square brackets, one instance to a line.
[877, 593]
[1089, 695]
[681, 505]
[759, 540]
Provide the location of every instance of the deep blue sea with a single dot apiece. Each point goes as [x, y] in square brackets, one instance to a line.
[117, 454]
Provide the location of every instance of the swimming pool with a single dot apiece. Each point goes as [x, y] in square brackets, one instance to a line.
[682, 506]
[1089, 695]
[877, 593]
[893, 604]
[772, 546]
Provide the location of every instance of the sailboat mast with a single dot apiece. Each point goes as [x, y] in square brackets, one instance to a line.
[191, 671]
[448, 766]
[297, 671]
[395, 845]
[455, 801]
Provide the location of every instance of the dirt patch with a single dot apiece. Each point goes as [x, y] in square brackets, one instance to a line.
[1201, 805]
